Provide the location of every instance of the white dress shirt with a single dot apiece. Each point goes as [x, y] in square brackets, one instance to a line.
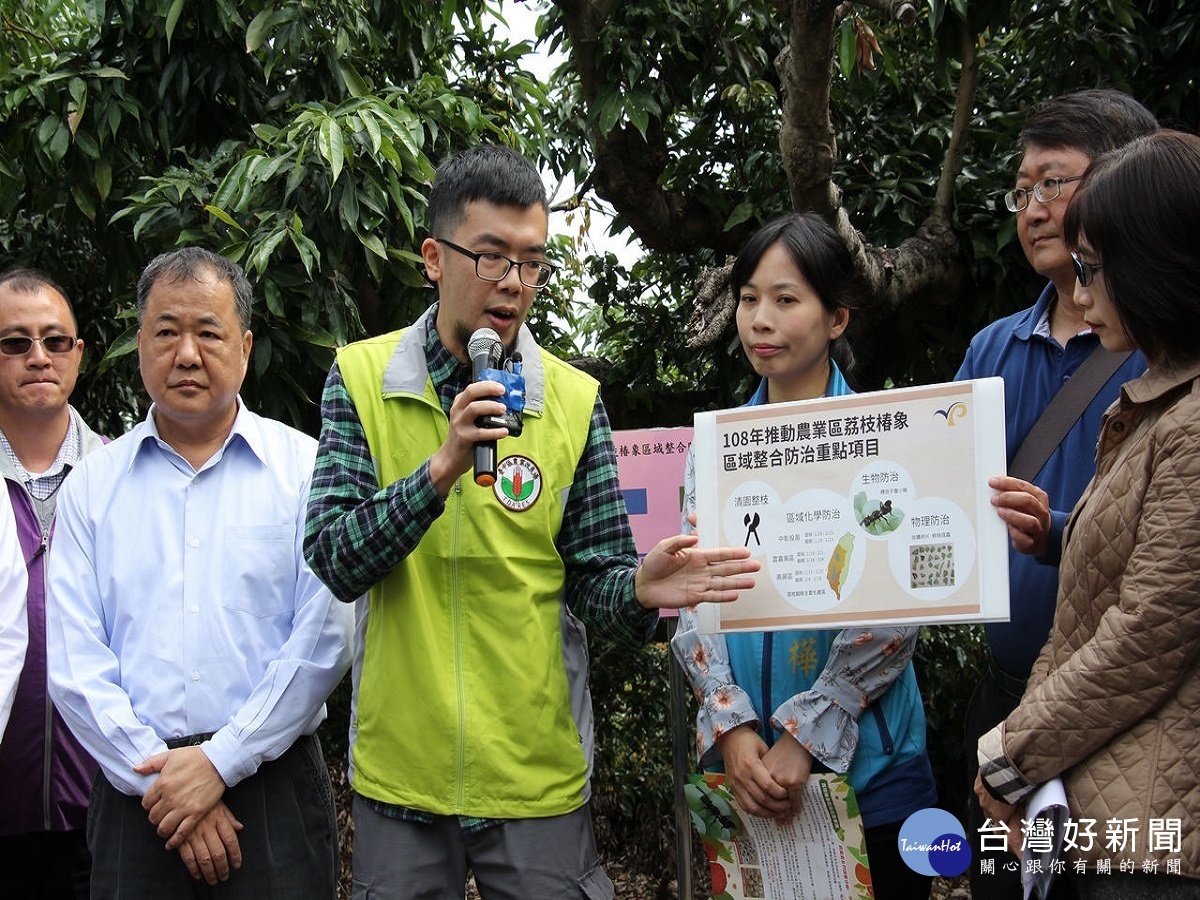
[14, 625]
[180, 603]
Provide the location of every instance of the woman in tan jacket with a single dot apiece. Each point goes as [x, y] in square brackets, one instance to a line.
[1113, 702]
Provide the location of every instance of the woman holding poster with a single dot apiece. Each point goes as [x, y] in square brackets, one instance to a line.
[776, 706]
[1113, 701]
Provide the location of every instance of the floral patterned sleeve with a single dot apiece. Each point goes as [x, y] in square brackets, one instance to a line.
[863, 663]
[705, 660]
[723, 705]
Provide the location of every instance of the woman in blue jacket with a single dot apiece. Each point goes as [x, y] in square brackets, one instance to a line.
[776, 706]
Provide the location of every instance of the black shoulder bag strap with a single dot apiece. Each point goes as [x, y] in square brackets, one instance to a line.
[1064, 411]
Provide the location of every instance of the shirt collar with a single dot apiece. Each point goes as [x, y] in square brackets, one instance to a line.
[68, 453]
[1041, 321]
[420, 355]
[245, 427]
[1158, 381]
[439, 361]
[836, 387]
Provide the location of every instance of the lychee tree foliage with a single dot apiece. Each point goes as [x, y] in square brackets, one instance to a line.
[298, 137]
[897, 120]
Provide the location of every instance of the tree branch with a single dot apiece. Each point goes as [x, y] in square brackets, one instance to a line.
[628, 166]
[11, 25]
[927, 265]
[712, 307]
[806, 137]
[964, 100]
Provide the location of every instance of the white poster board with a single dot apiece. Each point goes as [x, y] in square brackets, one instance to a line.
[865, 509]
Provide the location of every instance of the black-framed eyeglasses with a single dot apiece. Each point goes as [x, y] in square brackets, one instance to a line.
[1046, 190]
[492, 266]
[1085, 272]
[52, 343]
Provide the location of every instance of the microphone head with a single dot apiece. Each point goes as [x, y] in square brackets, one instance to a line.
[482, 343]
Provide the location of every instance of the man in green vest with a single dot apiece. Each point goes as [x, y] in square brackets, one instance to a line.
[472, 727]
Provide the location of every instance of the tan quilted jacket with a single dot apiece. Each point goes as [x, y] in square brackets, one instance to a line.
[1113, 703]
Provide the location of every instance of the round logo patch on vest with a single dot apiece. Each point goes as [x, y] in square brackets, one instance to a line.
[518, 483]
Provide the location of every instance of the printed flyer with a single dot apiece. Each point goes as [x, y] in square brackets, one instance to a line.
[821, 853]
[865, 509]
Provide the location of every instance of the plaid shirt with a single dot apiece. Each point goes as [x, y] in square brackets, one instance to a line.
[356, 531]
[43, 486]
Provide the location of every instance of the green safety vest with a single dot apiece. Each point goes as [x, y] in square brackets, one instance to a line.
[471, 693]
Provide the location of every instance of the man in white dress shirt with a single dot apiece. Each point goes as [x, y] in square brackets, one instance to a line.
[191, 648]
[13, 627]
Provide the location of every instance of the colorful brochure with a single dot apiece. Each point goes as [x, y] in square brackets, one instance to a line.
[821, 852]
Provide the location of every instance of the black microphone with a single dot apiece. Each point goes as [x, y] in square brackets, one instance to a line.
[486, 352]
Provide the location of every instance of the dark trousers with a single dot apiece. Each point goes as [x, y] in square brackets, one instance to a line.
[289, 842]
[891, 877]
[52, 865]
[997, 695]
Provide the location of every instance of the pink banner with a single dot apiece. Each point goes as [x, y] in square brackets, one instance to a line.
[650, 462]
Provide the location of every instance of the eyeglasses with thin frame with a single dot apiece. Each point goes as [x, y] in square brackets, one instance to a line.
[492, 266]
[18, 345]
[1085, 272]
[1046, 190]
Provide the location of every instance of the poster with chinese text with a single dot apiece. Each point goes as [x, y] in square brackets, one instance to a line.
[865, 509]
[650, 465]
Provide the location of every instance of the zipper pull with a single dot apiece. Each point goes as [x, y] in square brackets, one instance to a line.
[44, 546]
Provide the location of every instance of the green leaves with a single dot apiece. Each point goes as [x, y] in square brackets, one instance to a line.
[300, 136]
[338, 186]
[331, 147]
[741, 213]
[54, 137]
[295, 136]
[845, 47]
[261, 25]
[173, 14]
